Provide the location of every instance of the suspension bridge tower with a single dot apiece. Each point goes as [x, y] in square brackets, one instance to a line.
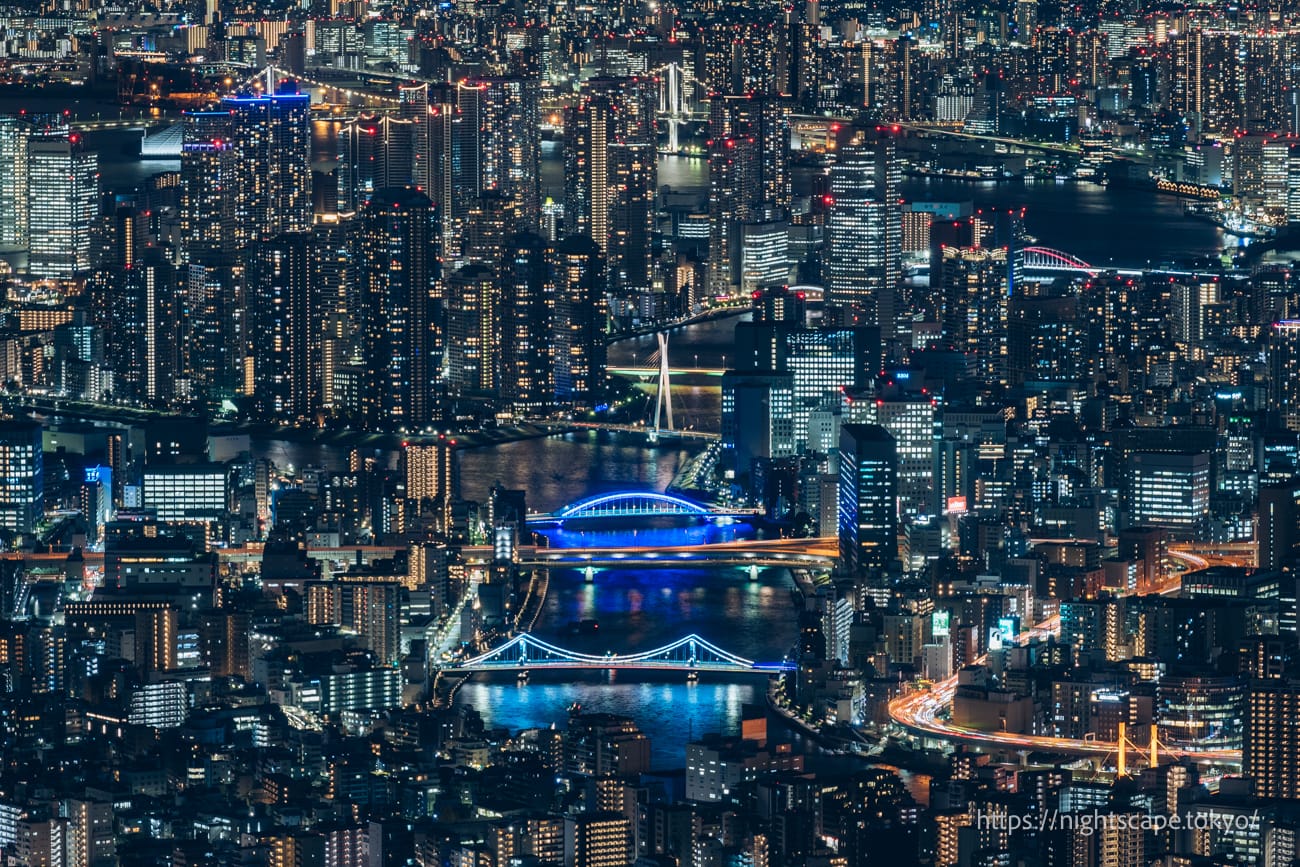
[663, 393]
[672, 103]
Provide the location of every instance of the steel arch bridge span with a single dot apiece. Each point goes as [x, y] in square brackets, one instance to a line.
[1047, 259]
[632, 503]
[690, 653]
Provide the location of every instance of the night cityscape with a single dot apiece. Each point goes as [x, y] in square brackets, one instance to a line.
[662, 433]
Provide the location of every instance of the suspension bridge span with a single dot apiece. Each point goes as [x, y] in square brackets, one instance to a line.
[690, 653]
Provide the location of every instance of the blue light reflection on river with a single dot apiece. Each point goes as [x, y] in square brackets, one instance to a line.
[578, 535]
[671, 712]
[640, 609]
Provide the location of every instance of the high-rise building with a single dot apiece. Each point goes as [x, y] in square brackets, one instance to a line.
[610, 175]
[499, 144]
[187, 493]
[598, 840]
[917, 426]
[733, 201]
[780, 304]
[975, 293]
[757, 417]
[375, 152]
[577, 286]
[285, 327]
[766, 120]
[1284, 382]
[400, 309]
[63, 202]
[1170, 490]
[419, 106]
[143, 329]
[14, 133]
[1270, 754]
[1278, 529]
[22, 496]
[272, 142]
[749, 180]
[473, 331]
[864, 235]
[209, 183]
[823, 362]
[432, 476]
[764, 256]
[370, 609]
[868, 498]
[527, 347]
[1046, 339]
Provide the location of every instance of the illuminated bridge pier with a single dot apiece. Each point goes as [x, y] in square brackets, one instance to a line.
[691, 653]
[638, 504]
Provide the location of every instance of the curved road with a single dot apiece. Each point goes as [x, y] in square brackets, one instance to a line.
[918, 712]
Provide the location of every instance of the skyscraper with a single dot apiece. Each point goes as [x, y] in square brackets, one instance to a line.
[765, 119]
[209, 183]
[917, 426]
[375, 152]
[975, 291]
[142, 329]
[14, 133]
[22, 497]
[416, 108]
[499, 144]
[868, 498]
[577, 284]
[473, 330]
[1270, 754]
[733, 201]
[212, 180]
[63, 201]
[272, 139]
[527, 350]
[1284, 362]
[864, 235]
[401, 314]
[610, 175]
[285, 327]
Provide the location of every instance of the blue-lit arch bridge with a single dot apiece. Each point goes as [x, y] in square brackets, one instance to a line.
[639, 504]
[691, 653]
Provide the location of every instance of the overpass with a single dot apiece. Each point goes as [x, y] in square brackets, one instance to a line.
[691, 653]
[775, 553]
[789, 553]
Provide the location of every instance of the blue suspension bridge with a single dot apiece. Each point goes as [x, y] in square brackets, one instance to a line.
[691, 653]
[639, 504]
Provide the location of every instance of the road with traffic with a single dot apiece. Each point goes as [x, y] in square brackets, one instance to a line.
[925, 711]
